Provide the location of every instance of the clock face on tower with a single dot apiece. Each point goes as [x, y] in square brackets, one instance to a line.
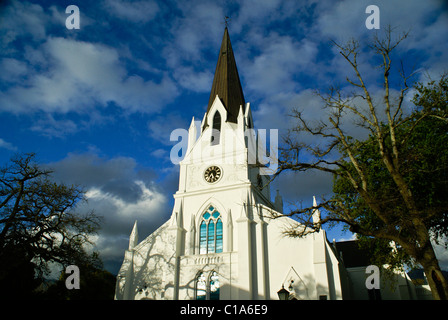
[212, 174]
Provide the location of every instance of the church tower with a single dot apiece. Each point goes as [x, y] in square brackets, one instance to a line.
[218, 243]
[221, 191]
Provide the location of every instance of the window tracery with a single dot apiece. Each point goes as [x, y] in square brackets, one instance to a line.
[210, 232]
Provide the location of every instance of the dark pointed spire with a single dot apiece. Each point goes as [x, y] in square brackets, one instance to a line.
[226, 83]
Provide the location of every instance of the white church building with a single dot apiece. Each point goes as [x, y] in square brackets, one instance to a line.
[219, 242]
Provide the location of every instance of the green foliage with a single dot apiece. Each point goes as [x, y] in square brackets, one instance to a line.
[432, 98]
[423, 154]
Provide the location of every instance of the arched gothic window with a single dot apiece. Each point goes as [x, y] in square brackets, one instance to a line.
[201, 287]
[207, 289]
[210, 232]
[216, 128]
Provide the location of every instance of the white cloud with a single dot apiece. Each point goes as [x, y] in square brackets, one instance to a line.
[192, 35]
[426, 21]
[135, 11]
[280, 60]
[118, 190]
[149, 202]
[7, 145]
[302, 186]
[51, 127]
[81, 75]
[13, 70]
[197, 81]
[150, 210]
[117, 176]
[160, 127]
[341, 20]
[350, 237]
[20, 19]
[194, 31]
[160, 153]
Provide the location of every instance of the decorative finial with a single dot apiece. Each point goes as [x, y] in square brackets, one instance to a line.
[226, 20]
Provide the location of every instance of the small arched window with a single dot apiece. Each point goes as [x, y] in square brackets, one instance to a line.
[207, 289]
[216, 128]
[210, 232]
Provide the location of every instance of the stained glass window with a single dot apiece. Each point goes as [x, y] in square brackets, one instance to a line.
[219, 236]
[210, 235]
[203, 238]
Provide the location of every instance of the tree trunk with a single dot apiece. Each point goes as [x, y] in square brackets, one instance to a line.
[434, 275]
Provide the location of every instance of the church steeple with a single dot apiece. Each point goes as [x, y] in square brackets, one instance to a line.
[226, 83]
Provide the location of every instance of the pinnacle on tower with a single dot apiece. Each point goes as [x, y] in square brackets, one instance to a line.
[316, 212]
[133, 238]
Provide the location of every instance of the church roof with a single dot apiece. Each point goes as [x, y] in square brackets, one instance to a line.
[226, 83]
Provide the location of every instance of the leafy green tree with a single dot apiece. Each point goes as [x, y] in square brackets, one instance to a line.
[390, 189]
[38, 226]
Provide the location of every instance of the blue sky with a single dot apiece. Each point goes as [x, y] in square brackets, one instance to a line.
[98, 104]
